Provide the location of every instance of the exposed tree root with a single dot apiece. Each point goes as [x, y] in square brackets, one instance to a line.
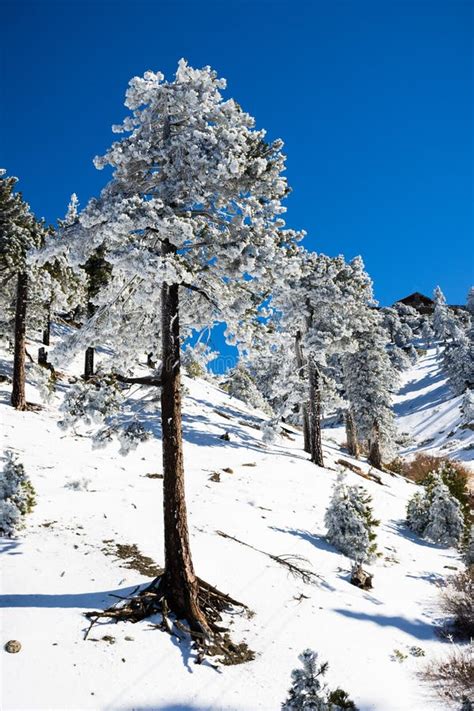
[154, 599]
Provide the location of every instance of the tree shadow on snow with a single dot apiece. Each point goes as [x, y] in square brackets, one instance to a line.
[85, 601]
[415, 628]
[177, 707]
[401, 529]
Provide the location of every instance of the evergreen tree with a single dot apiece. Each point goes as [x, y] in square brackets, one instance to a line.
[370, 380]
[435, 513]
[308, 692]
[191, 218]
[19, 232]
[350, 522]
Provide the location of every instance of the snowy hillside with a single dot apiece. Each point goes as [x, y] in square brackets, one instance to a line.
[97, 531]
[428, 413]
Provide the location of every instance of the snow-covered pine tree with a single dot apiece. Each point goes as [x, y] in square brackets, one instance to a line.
[370, 380]
[191, 218]
[458, 360]
[467, 409]
[445, 324]
[434, 513]
[309, 692]
[240, 384]
[17, 496]
[318, 305]
[19, 232]
[350, 522]
[446, 520]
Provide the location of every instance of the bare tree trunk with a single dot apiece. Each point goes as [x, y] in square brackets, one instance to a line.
[181, 584]
[47, 329]
[375, 455]
[304, 407]
[18, 399]
[89, 363]
[315, 414]
[351, 435]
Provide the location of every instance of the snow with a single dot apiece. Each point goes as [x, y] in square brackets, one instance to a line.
[58, 566]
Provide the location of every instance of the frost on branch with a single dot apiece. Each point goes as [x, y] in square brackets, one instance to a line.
[350, 522]
[17, 496]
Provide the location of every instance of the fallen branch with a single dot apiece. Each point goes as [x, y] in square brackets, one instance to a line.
[290, 562]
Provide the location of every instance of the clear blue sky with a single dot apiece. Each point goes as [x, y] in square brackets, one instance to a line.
[374, 101]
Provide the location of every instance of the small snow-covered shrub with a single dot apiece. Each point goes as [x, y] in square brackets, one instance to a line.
[309, 693]
[434, 513]
[457, 601]
[17, 495]
[350, 522]
[78, 484]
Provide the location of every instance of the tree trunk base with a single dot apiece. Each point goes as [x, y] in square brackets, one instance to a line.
[156, 599]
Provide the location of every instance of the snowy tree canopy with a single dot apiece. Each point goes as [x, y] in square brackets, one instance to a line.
[195, 200]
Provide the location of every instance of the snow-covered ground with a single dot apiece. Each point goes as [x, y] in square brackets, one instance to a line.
[65, 562]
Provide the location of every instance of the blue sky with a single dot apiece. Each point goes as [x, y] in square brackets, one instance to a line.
[373, 100]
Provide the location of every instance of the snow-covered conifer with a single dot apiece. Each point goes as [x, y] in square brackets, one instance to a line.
[241, 385]
[191, 225]
[434, 513]
[17, 496]
[467, 408]
[309, 692]
[19, 232]
[446, 521]
[418, 513]
[370, 380]
[350, 522]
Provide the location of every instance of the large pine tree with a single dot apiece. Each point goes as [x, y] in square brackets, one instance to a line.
[190, 220]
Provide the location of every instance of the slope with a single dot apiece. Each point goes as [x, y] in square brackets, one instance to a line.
[99, 514]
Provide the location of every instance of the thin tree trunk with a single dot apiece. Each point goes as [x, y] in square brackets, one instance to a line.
[351, 435]
[89, 363]
[18, 399]
[304, 407]
[375, 455]
[315, 414]
[180, 581]
[47, 329]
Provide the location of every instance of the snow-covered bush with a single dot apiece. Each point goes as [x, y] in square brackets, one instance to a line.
[435, 513]
[350, 522]
[418, 513]
[309, 693]
[17, 495]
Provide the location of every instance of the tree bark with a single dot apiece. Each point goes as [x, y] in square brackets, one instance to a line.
[89, 363]
[18, 398]
[315, 414]
[47, 329]
[375, 455]
[351, 435]
[180, 582]
[304, 407]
